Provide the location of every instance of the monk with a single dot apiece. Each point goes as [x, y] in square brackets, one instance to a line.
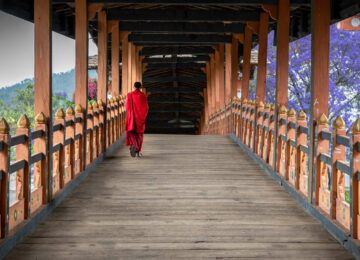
[136, 111]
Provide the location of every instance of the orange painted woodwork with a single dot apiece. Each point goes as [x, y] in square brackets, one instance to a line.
[271, 138]
[124, 67]
[262, 57]
[272, 10]
[340, 208]
[282, 56]
[219, 59]
[130, 68]
[42, 57]
[102, 57]
[265, 134]
[93, 9]
[228, 73]
[320, 43]
[115, 56]
[234, 66]
[259, 122]
[246, 63]
[58, 157]
[302, 163]
[355, 130]
[281, 163]
[291, 151]
[81, 52]
[4, 137]
[254, 26]
[79, 148]
[89, 136]
[349, 24]
[69, 172]
[213, 84]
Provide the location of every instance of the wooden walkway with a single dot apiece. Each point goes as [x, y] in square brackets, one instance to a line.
[189, 197]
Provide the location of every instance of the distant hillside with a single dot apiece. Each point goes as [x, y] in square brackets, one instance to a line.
[62, 82]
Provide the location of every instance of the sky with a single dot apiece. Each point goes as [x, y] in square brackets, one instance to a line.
[17, 50]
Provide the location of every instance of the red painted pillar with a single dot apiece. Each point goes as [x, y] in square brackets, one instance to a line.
[246, 64]
[234, 65]
[262, 57]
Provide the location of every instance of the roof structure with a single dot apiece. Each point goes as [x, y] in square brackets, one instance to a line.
[177, 38]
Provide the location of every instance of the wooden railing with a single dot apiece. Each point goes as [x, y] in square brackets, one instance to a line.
[283, 144]
[58, 156]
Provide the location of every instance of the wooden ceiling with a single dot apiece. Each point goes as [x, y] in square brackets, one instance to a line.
[178, 36]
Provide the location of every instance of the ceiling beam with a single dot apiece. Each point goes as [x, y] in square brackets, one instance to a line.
[168, 117]
[175, 65]
[201, 58]
[179, 2]
[181, 27]
[175, 109]
[172, 79]
[190, 39]
[182, 15]
[177, 51]
[155, 90]
[174, 101]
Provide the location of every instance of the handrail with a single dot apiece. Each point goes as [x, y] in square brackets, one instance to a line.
[58, 157]
[281, 142]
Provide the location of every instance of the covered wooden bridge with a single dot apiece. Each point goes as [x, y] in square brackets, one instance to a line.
[222, 177]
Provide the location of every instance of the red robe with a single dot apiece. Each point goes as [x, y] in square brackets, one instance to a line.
[136, 112]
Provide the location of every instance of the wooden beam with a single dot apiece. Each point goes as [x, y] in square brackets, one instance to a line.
[182, 15]
[254, 26]
[102, 57]
[181, 2]
[220, 80]
[282, 56]
[181, 27]
[213, 82]
[42, 58]
[246, 63]
[234, 66]
[177, 51]
[155, 90]
[175, 65]
[125, 65]
[320, 50]
[272, 10]
[130, 58]
[227, 73]
[115, 56]
[172, 79]
[190, 39]
[200, 58]
[93, 9]
[262, 58]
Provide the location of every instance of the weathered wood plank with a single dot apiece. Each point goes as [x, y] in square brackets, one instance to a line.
[190, 197]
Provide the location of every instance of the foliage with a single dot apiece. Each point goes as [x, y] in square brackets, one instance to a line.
[23, 103]
[344, 78]
[92, 90]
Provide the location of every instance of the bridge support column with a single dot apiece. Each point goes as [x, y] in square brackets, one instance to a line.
[43, 80]
[246, 63]
[102, 70]
[115, 55]
[220, 82]
[282, 66]
[262, 58]
[320, 41]
[125, 62]
[234, 66]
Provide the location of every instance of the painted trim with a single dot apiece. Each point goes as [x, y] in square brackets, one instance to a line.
[29, 225]
[343, 238]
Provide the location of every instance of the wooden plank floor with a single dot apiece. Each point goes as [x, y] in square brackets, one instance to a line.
[190, 197]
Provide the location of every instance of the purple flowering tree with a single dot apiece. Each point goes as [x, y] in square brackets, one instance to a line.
[344, 78]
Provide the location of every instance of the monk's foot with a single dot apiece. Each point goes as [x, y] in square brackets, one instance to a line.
[133, 151]
[139, 155]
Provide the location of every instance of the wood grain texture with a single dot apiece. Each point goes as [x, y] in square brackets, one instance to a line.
[262, 58]
[189, 197]
[246, 63]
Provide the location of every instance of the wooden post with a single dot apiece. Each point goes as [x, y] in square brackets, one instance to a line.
[213, 87]
[4, 139]
[234, 66]
[262, 58]
[124, 62]
[282, 63]
[115, 56]
[228, 73]
[81, 66]
[102, 67]
[42, 58]
[69, 171]
[355, 131]
[320, 40]
[246, 63]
